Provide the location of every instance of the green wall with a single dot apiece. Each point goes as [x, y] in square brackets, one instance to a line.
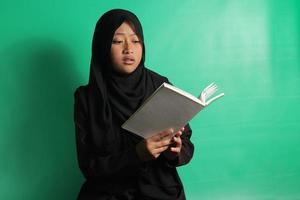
[247, 144]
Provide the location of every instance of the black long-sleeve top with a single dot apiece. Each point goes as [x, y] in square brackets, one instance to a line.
[121, 174]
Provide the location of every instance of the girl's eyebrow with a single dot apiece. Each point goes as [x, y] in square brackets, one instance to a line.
[120, 33]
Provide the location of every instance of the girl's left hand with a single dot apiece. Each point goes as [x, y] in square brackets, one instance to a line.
[175, 148]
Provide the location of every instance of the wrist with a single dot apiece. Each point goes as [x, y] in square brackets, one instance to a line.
[170, 156]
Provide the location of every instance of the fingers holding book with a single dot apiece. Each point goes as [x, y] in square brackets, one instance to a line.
[152, 147]
[175, 148]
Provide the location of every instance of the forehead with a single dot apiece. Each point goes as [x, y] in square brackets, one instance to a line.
[125, 28]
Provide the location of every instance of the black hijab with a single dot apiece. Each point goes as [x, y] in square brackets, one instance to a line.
[114, 97]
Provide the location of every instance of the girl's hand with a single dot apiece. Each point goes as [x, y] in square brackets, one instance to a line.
[151, 148]
[175, 148]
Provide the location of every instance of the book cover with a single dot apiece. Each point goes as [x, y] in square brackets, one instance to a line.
[168, 107]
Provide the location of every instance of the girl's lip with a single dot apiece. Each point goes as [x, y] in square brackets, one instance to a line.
[128, 60]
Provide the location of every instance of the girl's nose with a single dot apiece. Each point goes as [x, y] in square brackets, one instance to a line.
[127, 48]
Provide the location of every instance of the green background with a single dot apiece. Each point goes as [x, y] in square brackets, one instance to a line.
[247, 145]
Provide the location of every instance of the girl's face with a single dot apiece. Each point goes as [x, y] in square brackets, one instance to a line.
[126, 49]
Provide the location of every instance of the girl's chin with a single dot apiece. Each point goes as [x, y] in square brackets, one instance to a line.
[127, 69]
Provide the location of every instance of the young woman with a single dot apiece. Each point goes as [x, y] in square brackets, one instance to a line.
[118, 164]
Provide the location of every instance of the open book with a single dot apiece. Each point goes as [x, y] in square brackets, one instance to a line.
[168, 108]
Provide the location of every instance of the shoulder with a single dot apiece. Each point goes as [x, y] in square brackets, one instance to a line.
[80, 92]
[156, 77]
[81, 98]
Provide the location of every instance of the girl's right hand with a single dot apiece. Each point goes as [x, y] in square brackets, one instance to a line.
[152, 147]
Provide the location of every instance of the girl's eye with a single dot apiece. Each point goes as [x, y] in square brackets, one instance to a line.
[117, 41]
[136, 41]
